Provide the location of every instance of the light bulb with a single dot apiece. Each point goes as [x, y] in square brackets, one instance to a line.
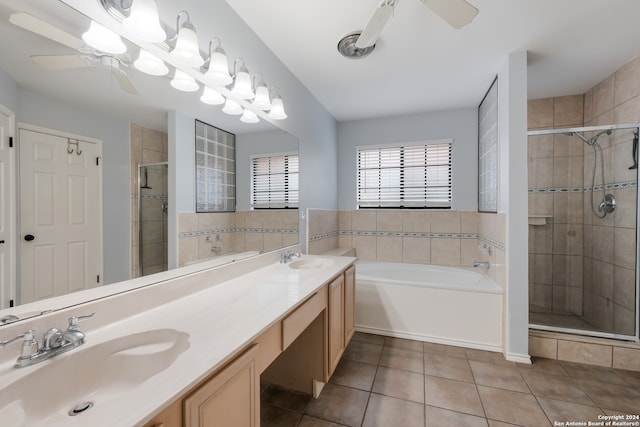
[232, 107]
[249, 117]
[150, 64]
[103, 39]
[211, 96]
[242, 87]
[262, 101]
[184, 82]
[143, 21]
[187, 50]
[277, 109]
[218, 71]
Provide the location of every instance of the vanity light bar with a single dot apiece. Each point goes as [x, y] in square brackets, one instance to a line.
[243, 87]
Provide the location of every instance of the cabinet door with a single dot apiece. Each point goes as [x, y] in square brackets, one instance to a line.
[349, 304]
[336, 322]
[230, 398]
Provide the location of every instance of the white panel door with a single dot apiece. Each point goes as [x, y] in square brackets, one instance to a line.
[7, 246]
[60, 215]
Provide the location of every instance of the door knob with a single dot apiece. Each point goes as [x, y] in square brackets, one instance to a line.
[29, 237]
[1, 242]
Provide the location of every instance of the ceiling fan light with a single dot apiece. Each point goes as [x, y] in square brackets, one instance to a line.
[143, 21]
[150, 64]
[218, 71]
[277, 109]
[187, 50]
[262, 100]
[232, 107]
[184, 82]
[103, 39]
[211, 96]
[249, 117]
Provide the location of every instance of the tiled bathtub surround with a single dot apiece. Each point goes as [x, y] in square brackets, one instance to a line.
[414, 236]
[148, 146]
[205, 235]
[582, 268]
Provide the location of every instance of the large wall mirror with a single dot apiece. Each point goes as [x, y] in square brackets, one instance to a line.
[73, 106]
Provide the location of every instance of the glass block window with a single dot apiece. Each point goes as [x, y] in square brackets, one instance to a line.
[215, 169]
[274, 181]
[405, 176]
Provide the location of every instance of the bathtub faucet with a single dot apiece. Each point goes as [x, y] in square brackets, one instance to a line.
[481, 264]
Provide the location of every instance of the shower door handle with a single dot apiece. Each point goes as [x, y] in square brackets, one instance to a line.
[29, 237]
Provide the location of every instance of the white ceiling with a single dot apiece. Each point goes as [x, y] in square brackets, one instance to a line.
[421, 64]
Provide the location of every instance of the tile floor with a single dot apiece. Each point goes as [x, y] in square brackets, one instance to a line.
[391, 382]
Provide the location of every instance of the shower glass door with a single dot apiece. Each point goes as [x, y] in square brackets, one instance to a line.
[152, 217]
[583, 235]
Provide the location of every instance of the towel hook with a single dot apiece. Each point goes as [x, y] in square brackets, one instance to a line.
[70, 144]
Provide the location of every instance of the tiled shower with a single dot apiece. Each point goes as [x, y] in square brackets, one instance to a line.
[582, 268]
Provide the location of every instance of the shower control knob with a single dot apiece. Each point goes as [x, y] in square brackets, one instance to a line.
[29, 237]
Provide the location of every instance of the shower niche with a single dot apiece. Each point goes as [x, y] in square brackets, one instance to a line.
[583, 205]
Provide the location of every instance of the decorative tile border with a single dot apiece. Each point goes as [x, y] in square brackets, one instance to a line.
[426, 235]
[150, 196]
[235, 230]
[614, 186]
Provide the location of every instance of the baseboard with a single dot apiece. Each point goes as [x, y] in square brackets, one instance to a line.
[518, 358]
[430, 339]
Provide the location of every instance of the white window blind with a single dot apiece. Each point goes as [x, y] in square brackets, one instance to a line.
[274, 182]
[407, 176]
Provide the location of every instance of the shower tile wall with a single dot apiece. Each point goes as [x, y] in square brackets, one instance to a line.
[148, 146]
[413, 236]
[594, 258]
[201, 234]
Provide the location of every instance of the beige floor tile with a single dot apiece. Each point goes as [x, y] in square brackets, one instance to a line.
[547, 366]
[354, 374]
[560, 411]
[368, 338]
[448, 367]
[499, 375]
[445, 350]
[631, 377]
[486, 356]
[404, 344]
[398, 383]
[512, 407]
[338, 404]
[308, 421]
[272, 416]
[494, 423]
[613, 396]
[454, 395]
[556, 387]
[443, 417]
[398, 358]
[384, 411]
[292, 401]
[593, 373]
[363, 352]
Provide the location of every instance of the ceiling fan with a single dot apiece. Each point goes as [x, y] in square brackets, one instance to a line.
[456, 13]
[87, 57]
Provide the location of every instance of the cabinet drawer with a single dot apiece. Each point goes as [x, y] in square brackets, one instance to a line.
[296, 322]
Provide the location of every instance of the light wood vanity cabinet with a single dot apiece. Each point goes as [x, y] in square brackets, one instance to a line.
[314, 335]
[230, 398]
[349, 304]
[336, 322]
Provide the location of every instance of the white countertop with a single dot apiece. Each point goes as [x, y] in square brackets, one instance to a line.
[221, 320]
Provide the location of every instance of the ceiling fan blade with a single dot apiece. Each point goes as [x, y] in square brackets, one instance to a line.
[62, 62]
[456, 13]
[376, 24]
[44, 29]
[125, 81]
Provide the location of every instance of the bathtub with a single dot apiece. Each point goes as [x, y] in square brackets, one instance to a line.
[447, 305]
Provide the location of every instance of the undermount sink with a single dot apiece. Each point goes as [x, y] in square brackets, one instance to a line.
[310, 264]
[97, 374]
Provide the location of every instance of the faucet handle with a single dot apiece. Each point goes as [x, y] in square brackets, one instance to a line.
[73, 321]
[29, 343]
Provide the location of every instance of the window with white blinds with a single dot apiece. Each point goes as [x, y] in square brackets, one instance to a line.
[274, 181]
[405, 176]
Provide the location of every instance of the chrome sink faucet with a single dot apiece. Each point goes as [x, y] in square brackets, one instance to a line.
[287, 256]
[54, 342]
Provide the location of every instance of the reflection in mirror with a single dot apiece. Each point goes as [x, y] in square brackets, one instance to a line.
[49, 79]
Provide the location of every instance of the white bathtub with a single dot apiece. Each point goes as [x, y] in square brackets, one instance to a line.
[447, 305]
